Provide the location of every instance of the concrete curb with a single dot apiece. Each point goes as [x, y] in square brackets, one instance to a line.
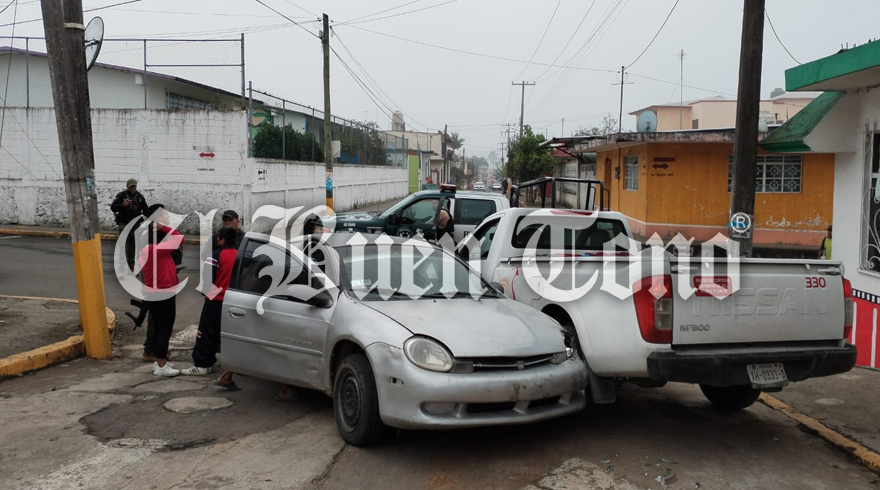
[865, 455]
[48, 355]
[66, 234]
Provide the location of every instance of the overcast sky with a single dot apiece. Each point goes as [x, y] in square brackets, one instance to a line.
[472, 93]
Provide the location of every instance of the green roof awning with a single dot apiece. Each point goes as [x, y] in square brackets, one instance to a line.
[850, 69]
[789, 138]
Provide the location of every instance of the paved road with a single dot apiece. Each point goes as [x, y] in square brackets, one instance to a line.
[93, 424]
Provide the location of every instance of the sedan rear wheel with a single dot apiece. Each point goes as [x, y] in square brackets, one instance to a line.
[356, 402]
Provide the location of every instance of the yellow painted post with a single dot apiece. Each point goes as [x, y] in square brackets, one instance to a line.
[65, 47]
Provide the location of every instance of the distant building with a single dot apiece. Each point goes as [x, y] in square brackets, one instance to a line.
[720, 112]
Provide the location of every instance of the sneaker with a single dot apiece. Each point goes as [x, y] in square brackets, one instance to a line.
[166, 371]
[196, 371]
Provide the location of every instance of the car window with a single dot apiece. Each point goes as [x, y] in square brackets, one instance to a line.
[264, 265]
[418, 212]
[393, 209]
[474, 211]
[591, 238]
[484, 237]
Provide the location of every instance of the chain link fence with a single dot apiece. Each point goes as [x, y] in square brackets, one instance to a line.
[134, 74]
[286, 130]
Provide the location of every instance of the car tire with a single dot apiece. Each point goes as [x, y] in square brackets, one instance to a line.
[356, 402]
[731, 397]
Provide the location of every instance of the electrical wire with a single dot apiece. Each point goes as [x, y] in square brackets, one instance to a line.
[208, 14]
[780, 40]
[8, 71]
[655, 35]
[399, 14]
[288, 18]
[685, 86]
[383, 11]
[84, 11]
[472, 53]
[369, 93]
[303, 9]
[8, 5]
[539, 42]
[570, 39]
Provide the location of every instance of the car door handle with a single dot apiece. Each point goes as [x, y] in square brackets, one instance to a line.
[236, 313]
[831, 270]
[681, 268]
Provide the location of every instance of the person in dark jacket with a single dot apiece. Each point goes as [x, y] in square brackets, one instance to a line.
[208, 337]
[128, 205]
[230, 220]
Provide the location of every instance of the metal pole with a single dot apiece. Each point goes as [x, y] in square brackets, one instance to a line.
[242, 70]
[27, 72]
[314, 136]
[283, 131]
[620, 117]
[250, 118]
[145, 73]
[681, 91]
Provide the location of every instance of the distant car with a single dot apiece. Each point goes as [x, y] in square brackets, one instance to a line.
[392, 353]
[479, 186]
[496, 186]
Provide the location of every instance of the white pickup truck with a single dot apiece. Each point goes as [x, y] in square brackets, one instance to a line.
[694, 320]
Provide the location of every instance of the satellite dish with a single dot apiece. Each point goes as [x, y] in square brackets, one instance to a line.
[94, 39]
[647, 122]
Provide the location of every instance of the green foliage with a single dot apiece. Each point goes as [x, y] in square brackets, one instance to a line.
[478, 162]
[456, 141]
[529, 160]
[367, 139]
[609, 126]
[268, 143]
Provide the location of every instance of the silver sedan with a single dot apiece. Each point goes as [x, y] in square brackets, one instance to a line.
[398, 332]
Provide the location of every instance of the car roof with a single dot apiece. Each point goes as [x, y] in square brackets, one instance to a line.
[341, 239]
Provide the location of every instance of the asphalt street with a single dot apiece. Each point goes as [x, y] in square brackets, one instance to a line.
[111, 424]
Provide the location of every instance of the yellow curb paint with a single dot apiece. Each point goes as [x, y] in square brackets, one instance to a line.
[66, 234]
[39, 298]
[45, 356]
[865, 455]
[90, 290]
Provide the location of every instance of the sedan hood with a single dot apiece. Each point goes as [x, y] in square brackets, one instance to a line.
[470, 328]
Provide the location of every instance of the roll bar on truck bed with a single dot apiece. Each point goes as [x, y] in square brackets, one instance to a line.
[593, 187]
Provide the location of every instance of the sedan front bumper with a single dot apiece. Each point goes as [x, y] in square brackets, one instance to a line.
[414, 398]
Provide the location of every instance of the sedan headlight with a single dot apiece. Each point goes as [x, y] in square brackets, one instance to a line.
[428, 354]
[571, 349]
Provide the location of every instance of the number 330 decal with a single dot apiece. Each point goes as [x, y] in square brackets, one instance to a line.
[815, 282]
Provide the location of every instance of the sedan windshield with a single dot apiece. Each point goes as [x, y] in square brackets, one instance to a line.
[393, 209]
[374, 272]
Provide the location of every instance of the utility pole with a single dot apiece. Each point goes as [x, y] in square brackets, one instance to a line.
[522, 107]
[445, 153]
[681, 90]
[328, 133]
[65, 46]
[745, 146]
[622, 83]
[562, 132]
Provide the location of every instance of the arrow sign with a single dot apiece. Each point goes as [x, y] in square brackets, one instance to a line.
[211, 155]
[660, 165]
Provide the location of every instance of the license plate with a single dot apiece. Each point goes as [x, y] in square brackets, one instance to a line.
[767, 375]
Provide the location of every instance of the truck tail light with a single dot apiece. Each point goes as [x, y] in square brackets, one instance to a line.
[654, 309]
[847, 309]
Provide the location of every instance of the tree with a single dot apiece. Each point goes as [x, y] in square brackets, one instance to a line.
[297, 146]
[455, 141]
[609, 126]
[480, 162]
[529, 161]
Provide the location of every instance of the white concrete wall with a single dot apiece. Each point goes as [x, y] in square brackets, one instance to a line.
[849, 122]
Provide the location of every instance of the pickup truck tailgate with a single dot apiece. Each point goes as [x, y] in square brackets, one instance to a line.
[777, 301]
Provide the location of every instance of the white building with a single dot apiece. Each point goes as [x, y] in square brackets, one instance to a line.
[845, 120]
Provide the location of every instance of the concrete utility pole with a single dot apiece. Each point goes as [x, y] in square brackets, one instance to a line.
[65, 46]
[681, 90]
[522, 107]
[328, 133]
[622, 83]
[745, 146]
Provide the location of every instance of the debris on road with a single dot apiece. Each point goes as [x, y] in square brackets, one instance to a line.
[668, 461]
[666, 479]
[609, 469]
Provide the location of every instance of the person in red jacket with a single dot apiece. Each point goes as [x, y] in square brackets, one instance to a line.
[160, 284]
[208, 337]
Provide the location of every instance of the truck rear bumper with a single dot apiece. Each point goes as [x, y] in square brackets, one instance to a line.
[730, 369]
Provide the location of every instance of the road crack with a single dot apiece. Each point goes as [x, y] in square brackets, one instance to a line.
[319, 481]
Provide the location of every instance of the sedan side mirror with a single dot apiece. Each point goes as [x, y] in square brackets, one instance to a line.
[310, 296]
[393, 219]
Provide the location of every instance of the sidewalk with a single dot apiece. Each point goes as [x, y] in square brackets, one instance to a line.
[40, 332]
[847, 403]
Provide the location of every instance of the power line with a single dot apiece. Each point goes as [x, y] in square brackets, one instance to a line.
[655, 35]
[288, 18]
[303, 9]
[8, 71]
[539, 42]
[8, 5]
[780, 40]
[383, 11]
[362, 85]
[208, 14]
[398, 15]
[84, 11]
[685, 86]
[573, 34]
[489, 56]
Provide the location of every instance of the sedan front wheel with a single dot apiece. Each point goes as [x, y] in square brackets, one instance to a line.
[356, 402]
